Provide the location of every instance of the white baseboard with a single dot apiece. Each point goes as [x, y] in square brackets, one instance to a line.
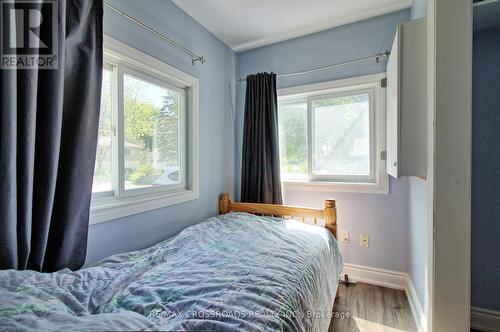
[374, 276]
[389, 279]
[415, 305]
[484, 319]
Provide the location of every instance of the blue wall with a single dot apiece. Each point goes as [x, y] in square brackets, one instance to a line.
[216, 133]
[418, 9]
[383, 216]
[418, 236]
[486, 169]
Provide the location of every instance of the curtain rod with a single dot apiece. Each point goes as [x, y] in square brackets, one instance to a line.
[377, 58]
[194, 57]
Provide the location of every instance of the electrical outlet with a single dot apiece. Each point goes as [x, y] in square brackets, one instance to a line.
[344, 236]
[364, 240]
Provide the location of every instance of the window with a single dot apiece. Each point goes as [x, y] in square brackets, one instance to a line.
[332, 135]
[146, 155]
[103, 161]
[153, 116]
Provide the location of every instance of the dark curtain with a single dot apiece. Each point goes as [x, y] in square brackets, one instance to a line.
[260, 177]
[48, 132]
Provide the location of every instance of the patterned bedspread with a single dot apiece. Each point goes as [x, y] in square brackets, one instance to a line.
[236, 272]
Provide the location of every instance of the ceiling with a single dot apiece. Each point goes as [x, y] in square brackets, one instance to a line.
[247, 24]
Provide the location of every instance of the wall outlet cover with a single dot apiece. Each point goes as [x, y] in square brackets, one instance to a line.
[344, 236]
[364, 240]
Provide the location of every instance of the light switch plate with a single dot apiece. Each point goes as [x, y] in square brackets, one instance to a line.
[344, 236]
[364, 240]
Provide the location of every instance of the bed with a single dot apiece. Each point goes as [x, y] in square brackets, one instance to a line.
[252, 268]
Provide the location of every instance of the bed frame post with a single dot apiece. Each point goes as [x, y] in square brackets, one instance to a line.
[224, 203]
[331, 216]
[331, 223]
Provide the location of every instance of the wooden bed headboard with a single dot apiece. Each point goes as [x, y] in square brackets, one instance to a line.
[328, 214]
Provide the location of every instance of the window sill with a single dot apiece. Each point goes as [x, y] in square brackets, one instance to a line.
[111, 208]
[381, 187]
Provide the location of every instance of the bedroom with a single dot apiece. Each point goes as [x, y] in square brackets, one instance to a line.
[144, 192]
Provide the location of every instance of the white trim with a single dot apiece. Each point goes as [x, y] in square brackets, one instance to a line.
[320, 26]
[110, 208]
[368, 82]
[485, 319]
[349, 187]
[120, 129]
[389, 279]
[115, 48]
[375, 276]
[341, 85]
[415, 305]
[118, 208]
[451, 164]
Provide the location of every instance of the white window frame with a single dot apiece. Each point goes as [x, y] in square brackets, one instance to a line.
[124, 69]
[378, 180]
[118, 203]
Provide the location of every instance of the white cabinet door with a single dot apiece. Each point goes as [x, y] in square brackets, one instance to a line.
[393, 107]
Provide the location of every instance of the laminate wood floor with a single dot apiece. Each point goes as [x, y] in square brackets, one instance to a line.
[372, 309]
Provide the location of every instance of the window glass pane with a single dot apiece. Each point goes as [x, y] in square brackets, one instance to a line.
[152, 134]
[293, 138]
[341, 135]
[102, 170]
